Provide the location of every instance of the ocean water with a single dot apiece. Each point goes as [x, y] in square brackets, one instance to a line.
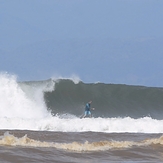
[40, 122]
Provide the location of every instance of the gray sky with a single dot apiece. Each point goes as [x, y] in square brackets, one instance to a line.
[111, 41]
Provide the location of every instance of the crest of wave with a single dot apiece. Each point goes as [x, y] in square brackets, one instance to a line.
[74, 78]
[14, 102]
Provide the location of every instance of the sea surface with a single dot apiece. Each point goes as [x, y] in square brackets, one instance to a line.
[40, 121]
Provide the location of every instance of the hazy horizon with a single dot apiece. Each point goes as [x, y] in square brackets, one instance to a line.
[110, 41]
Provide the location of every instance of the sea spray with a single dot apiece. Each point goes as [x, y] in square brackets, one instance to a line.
[20, 100]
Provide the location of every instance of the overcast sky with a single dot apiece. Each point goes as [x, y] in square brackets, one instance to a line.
[25, 23]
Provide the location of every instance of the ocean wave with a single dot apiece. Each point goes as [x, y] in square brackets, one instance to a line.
[56, 105]
[103, 145]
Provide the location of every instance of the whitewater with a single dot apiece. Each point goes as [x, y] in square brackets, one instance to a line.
[23, 107]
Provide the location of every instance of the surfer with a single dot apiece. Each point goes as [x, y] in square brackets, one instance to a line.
[87, 110]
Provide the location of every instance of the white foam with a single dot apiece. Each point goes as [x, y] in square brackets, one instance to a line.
[109, 125]
[15, 103]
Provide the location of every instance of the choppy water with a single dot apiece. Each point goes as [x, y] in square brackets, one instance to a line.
[45, 146]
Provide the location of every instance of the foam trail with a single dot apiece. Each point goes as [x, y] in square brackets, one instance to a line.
[106, 125]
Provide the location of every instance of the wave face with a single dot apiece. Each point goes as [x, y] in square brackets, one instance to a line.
[109, 100]
[57, 104]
